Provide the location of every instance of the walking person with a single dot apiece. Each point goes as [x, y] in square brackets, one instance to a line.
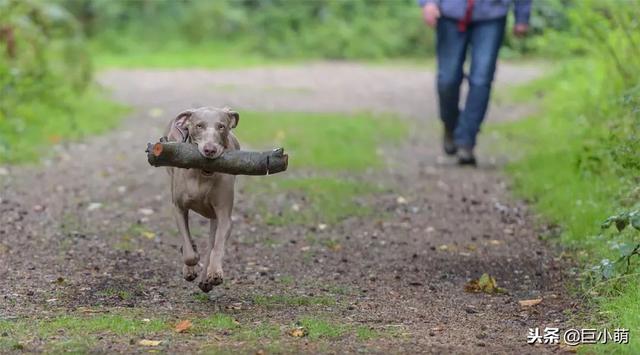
[459, 24]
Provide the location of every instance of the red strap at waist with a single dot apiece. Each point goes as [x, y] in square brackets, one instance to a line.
[468, 15]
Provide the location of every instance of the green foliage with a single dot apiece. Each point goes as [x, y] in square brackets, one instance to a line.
[580, 157]
[45, 74]
[276, 28]
[627, 249]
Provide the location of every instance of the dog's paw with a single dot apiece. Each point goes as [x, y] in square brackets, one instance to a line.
[211, 279]
[190, 273]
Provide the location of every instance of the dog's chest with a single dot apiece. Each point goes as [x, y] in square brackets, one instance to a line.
[197, 192]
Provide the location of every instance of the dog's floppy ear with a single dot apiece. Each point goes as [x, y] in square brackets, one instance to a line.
[233, 116]
[183, 118]
[178, 130]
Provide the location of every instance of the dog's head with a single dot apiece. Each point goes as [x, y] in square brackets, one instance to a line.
[208, 128]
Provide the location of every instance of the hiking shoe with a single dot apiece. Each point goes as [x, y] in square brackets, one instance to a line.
[448, 144]
[466, 157]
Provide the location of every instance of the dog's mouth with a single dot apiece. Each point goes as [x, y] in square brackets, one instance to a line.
[206, 172]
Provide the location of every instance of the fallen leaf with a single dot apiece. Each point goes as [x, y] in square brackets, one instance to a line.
[183, 326]
[148, 235]
[529, 303]
[486, 283]
[335, 247]
[145, 211]
[94, 206]
[298, 332]
[147, 342]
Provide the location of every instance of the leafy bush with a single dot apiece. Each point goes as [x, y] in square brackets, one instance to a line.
[334, 29]
[580, 160]
[44, 73]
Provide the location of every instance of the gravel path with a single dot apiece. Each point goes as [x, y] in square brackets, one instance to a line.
[66, 218]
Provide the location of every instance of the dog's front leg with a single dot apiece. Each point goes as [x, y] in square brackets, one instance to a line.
[213, 274]
[213, 223]
[190, 256]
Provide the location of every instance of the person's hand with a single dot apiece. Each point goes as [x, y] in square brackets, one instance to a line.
[520, 29]
[431, 13]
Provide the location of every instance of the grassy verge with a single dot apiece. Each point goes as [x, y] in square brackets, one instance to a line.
[323, 148]
[123, 330]
[40, 124]
[566, 169]
[129, 53]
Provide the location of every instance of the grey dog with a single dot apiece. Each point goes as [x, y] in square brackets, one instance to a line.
[209, 194]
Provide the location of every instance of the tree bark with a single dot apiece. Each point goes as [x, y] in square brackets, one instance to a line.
[237, 162]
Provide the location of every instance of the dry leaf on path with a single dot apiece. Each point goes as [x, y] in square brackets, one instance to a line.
[529, 303]
[183, 326]
[147, 342]
[298, 332]
[486, 283]
[148, 235]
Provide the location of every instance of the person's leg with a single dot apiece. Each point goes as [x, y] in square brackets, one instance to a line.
[451, 48]
[486, 39]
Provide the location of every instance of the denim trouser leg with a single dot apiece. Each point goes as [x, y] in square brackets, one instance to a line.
[485, 39]
[451, 48]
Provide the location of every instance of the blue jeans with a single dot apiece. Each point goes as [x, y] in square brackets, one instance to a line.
[485, 38]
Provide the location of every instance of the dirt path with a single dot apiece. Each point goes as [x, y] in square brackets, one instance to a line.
[402, 276]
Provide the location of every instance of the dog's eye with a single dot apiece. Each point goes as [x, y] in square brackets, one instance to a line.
[219, 126]
[200, 126]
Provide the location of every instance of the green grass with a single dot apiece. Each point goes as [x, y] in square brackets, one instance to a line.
[40, 124]
[287, 280]
[322, 147]
[75, 333]
[564, 168]
[217, 321]
[271, 301]
[364, 333]
[263, 331]
[130, 53]
[88, 333]
[323, 329]
[327, 141]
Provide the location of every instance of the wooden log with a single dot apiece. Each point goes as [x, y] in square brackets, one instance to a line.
[237, 162]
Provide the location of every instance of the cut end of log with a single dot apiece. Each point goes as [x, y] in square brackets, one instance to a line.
[157, 149]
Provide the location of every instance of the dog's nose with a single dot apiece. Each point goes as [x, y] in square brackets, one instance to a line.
[209, 149]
